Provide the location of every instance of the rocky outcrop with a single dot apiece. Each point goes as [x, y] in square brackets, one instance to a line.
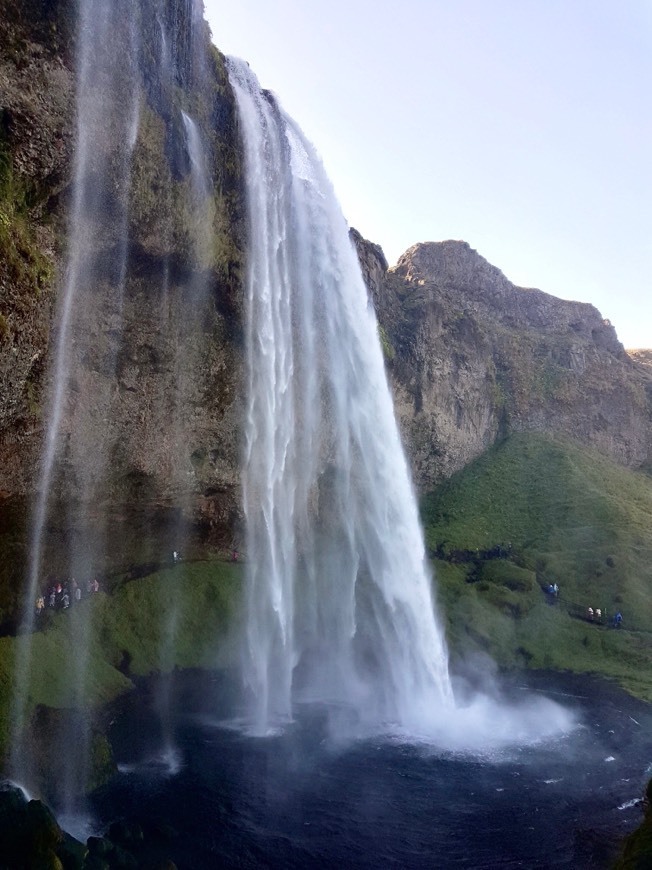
[472, 358]
[31, 837]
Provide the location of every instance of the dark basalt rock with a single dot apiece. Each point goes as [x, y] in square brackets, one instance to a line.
[31, 839]
[637, 849]
[29, 833]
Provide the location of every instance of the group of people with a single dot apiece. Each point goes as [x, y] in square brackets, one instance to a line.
[597, 615]
[593, 614]
[60, 595]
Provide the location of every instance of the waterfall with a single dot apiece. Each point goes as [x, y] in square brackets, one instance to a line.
[99, 80]
[127, 54]
[339, 604]
[198, 171]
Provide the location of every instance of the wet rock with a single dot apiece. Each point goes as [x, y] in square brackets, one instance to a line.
[72, 853]
[99, 847]
[29, 833]
[50, 737]
[637, 848]
[125, 833]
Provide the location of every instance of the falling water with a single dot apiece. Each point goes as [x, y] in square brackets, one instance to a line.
[186, 329]
[99, 79]
[89, 330]
[339, 595]
[196, 152]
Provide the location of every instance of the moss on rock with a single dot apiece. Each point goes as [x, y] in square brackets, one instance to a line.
[128, 629]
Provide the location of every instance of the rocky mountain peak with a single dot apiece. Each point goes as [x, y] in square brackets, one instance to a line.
[473, 358]
[449, 262]
[453, 271]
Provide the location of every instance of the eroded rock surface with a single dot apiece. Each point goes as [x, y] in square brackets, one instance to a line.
[151, 417]
[471, 358]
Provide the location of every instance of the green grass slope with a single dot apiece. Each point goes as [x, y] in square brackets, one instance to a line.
[534, 511]
[134, 631]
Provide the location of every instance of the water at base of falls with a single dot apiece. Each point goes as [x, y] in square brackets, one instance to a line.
[296, 800]
[339, 604]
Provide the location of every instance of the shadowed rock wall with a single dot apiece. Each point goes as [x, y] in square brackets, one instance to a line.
[155, 352]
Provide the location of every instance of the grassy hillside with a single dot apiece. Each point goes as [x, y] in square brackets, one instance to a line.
[128, 630]
[534, 511]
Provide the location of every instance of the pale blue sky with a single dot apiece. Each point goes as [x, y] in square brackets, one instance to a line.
[523, 127]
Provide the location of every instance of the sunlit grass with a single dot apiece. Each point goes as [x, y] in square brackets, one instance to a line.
[561, 514]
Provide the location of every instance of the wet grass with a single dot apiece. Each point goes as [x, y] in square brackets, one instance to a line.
[535, 511]
[182, 616]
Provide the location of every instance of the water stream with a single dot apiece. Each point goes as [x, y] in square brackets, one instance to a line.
[339, 594]
[100, 78]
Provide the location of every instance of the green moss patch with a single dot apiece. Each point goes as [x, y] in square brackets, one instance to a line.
[23, 261]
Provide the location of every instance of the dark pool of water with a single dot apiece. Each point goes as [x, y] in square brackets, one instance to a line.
[297, 801]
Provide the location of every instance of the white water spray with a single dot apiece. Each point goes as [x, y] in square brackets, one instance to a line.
[339, 604]
[98, 75]
[198, 171]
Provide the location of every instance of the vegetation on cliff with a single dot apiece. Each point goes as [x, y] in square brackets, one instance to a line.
[128, 631]
[535, 511]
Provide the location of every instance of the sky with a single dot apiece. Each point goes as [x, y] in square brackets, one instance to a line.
[523, 127]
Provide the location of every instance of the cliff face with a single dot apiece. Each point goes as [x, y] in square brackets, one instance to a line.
[36, 131]
[150, 422]
[472, 358]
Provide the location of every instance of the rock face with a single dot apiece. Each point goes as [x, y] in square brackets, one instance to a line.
[151, 419]
[36, 131]
[472, 358]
